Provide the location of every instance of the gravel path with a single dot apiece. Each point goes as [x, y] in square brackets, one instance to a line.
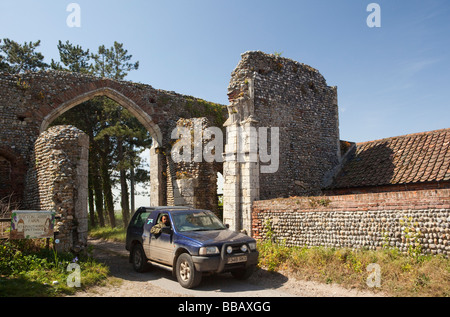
[160, 283]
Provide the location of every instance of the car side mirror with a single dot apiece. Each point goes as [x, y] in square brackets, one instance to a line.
[227, 225]
[167, 230]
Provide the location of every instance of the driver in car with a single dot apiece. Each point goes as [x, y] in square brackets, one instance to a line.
[157, 229]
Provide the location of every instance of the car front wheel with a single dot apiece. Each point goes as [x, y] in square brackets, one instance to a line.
[187, 275]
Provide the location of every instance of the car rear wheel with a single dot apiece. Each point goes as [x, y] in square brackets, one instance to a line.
[138, 258]
[187, 275]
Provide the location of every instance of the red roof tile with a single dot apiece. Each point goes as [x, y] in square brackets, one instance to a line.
[412, 158]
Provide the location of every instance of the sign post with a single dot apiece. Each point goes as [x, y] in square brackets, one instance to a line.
[29, 224]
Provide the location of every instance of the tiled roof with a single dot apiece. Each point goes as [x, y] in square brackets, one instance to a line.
[412, 158]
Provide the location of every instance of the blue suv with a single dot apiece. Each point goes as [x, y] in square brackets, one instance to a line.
[195, 242]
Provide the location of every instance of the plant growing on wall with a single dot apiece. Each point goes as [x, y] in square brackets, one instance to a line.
[412, 235]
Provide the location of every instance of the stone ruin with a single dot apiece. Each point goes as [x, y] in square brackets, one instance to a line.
[46, 169]
[270, 91]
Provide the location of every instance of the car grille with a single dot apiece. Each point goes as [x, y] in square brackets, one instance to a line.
[236, 248]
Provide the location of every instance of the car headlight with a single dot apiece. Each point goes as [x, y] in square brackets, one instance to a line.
[252, 246]
[208, 250]
[244, 248]
[229, 249]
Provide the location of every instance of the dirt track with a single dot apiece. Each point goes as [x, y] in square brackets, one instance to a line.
[160, 283]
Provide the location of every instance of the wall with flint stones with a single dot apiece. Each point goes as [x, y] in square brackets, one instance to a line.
[395, 219]
[61, 176]
[30, 102]
[190, 181]
[269, 91]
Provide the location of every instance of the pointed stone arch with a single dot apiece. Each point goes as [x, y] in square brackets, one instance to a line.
[143, 117]
[156, 185]
[33, 100]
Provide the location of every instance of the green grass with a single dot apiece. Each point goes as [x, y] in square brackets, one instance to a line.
[401, 275]
[27, 269]
[108, 233]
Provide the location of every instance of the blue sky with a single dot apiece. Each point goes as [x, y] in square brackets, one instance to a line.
[391, 80]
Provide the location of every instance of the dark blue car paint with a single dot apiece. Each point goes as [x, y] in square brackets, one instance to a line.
[192, 241]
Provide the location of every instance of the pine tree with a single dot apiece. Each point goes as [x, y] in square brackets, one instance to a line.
[19, 58]
[113, 62]
[74, 58]
[116, 136]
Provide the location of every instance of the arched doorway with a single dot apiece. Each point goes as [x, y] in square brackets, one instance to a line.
[142, 117]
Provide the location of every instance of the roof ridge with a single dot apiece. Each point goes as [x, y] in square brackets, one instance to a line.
[407, 159]
[405, 135]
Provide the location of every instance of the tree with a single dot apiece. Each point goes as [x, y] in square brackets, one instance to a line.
[19, 58]
[74, 58]
[4, 67]
[113, 62]
[116, 136]
[129, 137]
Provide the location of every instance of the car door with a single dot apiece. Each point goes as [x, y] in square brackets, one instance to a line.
[146, 236]
[161, 245]
[135, 229]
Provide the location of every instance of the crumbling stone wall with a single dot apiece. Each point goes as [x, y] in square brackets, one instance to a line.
[275, 92]
[192, 183]
[61, 173]
[5, 177]
[410, 219]
[29, 103]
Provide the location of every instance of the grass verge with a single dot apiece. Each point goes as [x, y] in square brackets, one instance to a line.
[108, 233]
[401, 275]
[28, 269]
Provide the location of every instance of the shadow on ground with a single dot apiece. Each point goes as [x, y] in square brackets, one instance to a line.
[115, 257]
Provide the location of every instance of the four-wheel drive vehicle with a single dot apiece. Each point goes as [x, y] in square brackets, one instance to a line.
[195, 242]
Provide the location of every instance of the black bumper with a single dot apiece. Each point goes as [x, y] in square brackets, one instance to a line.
[219, 263]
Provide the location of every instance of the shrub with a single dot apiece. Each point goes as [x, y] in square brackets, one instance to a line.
[30, 270]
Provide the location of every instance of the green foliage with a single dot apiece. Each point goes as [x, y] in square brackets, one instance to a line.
[412, 235]
[269, 233]
[30, 270]
[273, 255]
[108, 233]
[18, 58]
[74, 58]
[116, 136]
[401, 275]
[22, 84]
[315, 202]
[113, 62]
[201, 108]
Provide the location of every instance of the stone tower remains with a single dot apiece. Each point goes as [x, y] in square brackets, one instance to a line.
[289, 98]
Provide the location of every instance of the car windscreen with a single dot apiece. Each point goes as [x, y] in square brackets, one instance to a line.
[200, 220]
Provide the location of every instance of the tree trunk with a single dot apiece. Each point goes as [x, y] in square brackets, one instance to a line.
[96, 184]
[106, 183]
[133, 207]
[124, 203]
[91, 200]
